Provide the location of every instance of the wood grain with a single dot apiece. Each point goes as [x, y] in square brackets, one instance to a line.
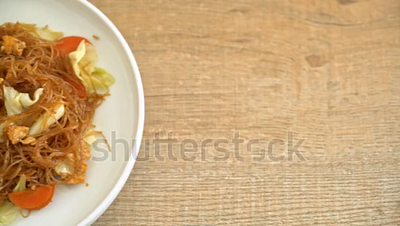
[325, 71]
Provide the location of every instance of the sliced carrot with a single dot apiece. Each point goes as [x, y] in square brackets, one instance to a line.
[76, 83]
[68, 44]
[33, 199]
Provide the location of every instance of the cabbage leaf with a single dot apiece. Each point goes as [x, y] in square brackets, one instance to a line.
[42, 32]
[21, 184]
[16, 102]
[46, 119]
[8, 212]
[82, 61]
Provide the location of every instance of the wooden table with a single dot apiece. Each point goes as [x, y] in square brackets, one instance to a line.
[313, 85]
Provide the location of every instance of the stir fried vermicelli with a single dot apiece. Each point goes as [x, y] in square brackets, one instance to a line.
[36, 156]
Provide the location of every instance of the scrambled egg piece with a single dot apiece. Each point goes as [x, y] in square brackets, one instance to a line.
[12, 45]
[28, 140]
[78, 177]
[66, 169]
[16, 133]
[86, 151]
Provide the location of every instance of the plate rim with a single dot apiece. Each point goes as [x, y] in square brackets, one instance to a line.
[103, 206]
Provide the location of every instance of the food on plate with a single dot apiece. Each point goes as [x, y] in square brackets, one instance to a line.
[50, 88]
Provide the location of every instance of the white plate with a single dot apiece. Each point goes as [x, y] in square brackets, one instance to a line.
[122, 112]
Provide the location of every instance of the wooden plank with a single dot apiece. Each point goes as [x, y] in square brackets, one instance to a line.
[327, 72]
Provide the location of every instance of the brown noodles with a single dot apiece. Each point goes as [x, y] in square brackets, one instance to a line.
[37, 67]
